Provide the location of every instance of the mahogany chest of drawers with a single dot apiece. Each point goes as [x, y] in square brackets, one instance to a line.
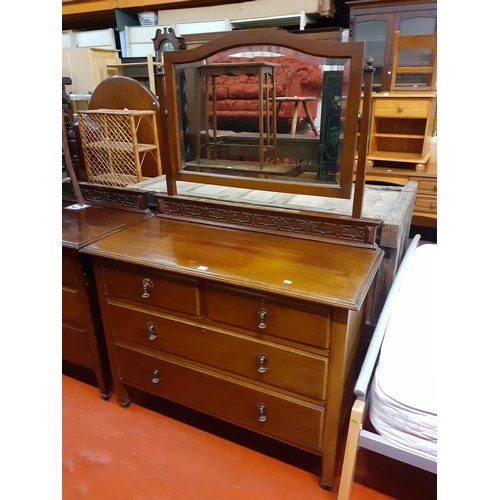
[259, 330]
[82, 333]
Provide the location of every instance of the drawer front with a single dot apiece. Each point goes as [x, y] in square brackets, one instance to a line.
[72, 310]
[264, 362]
[425, 186]
[401, 108]
[75, 347]
[286, 419]
[69, 276]
[427, 204]
[292, 320]
[152, 288]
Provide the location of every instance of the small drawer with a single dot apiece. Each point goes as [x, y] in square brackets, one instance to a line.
[264, 362]
[69, 275]
[298, 321]
[401, 108]
[425, 186]
[424, 203]
[72, 310]
[150, 287]
[75, 346]
[267, 412]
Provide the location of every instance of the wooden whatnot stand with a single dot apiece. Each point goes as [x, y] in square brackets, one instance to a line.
[401, 127]
[207, 80]
[112, 152]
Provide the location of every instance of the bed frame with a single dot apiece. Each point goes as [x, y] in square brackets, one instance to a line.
[357, 436]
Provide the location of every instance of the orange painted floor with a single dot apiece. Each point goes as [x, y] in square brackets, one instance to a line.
[140, 453]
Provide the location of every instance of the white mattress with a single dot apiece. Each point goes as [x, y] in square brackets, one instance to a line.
[403, 406]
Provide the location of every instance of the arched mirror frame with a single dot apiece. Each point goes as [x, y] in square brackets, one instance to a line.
[352, 51]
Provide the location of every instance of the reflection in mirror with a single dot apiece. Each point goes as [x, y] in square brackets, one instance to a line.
[265, 112]
[280, 114]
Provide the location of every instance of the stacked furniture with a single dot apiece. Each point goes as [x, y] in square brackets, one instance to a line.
[401, 38]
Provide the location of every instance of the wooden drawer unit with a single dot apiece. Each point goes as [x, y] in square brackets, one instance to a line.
[426, 200]
[152, 288]
[264, 411]
[259, 361]
[401, 128]
[217, 334]
[264, 314]
[83, 340]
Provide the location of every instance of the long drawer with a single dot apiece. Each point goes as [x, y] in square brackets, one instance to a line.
[269, 363]
[152, 288]
[75, 347]
[260, 313]
[267, 412]
[401, 108]
[425, 203]
[425, 185]
[69, 274]
[72, 309]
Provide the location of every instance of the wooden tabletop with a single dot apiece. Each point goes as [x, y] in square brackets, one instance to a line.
[236, 68]
[328, 273]
[86, 225]
[295, 99]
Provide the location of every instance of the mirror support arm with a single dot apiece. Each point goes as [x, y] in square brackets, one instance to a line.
[359, 187]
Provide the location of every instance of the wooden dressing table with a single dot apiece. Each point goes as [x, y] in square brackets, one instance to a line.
[251, 314]
[257, 329]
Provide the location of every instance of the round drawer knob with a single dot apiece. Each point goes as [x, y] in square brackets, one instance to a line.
[435, 189]
[400, 108]
[147, 285]
[156, 377]
[433, 205]
[262, 412]
[262, 363]
[152, 330]
[262, 315]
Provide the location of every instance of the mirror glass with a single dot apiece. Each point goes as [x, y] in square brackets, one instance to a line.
[271, 116]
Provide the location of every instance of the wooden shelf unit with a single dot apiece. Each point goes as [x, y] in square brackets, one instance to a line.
[112, 152]
[401, 127]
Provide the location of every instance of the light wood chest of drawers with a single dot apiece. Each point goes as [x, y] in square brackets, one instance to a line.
[259, 330]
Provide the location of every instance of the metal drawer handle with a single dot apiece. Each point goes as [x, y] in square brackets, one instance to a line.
[262, 315]
[152, 330]
[262, 363]
[156, 377]
[147, 285]
[262, 412]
